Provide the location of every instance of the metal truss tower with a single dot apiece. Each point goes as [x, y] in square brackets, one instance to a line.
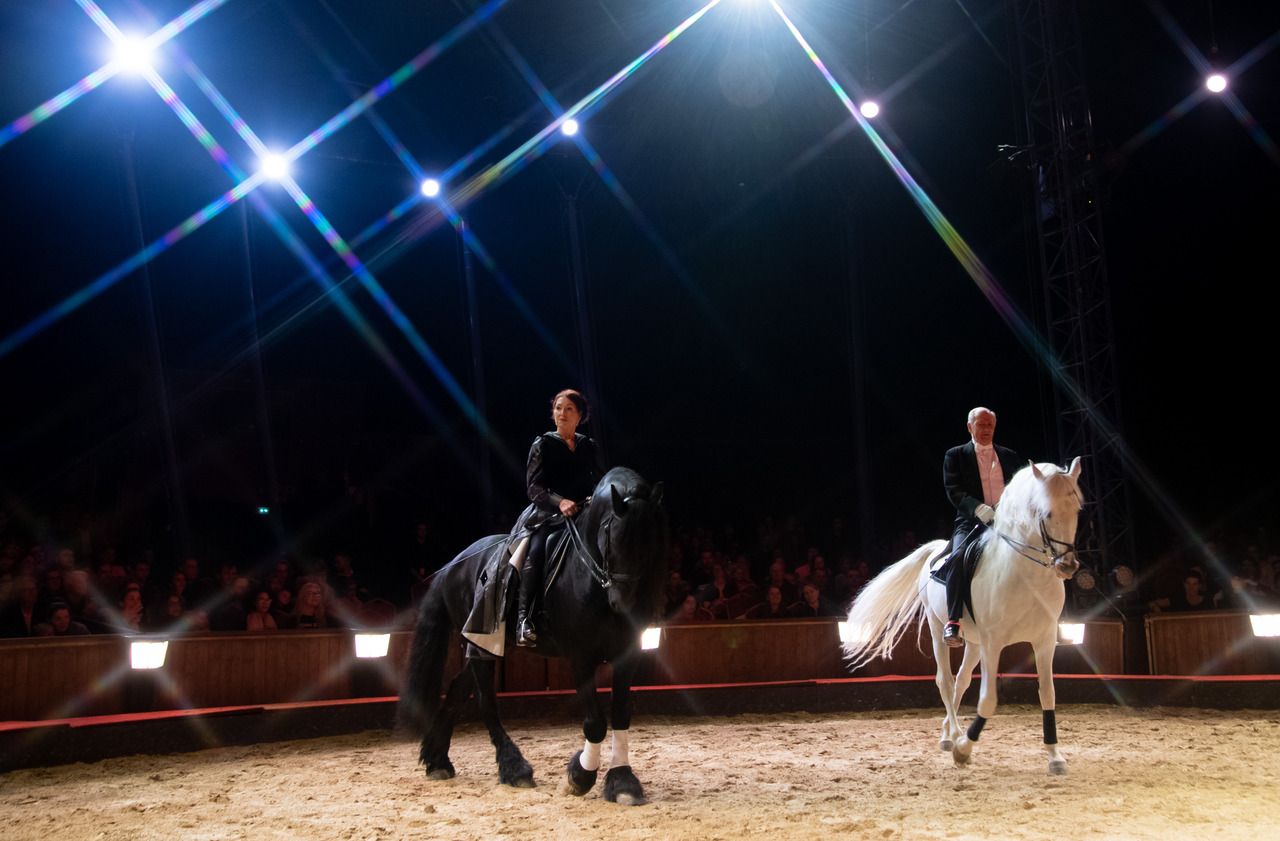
[1057, 137]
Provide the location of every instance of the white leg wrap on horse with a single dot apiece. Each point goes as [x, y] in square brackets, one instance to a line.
[590, 759]
[621, 746]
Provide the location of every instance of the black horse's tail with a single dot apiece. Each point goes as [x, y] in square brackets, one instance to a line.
[420, 696]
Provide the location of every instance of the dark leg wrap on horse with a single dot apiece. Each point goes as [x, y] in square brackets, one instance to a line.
[622, 783]
[580, 779]
[1050, 727]
[975, 727]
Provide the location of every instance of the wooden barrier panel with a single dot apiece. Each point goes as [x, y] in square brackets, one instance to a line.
[1219, 642]
[56, 678]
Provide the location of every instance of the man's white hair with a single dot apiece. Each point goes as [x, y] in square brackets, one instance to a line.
[977, 410]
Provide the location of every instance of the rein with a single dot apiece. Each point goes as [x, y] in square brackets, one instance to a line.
[598, 569]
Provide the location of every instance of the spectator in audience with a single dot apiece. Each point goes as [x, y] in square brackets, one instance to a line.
[80, 599]
[178, 589]
[778, 578]
[676, 592]
[60, 623]
[1191, 597]
[716, 591]
[171, 615]
[811, 603]
[130, 619]
[310, 610]
[771, 608]
[282, 608]
[18, 618]
[228, 613]
[261, 619]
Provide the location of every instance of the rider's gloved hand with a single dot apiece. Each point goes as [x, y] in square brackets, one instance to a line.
[985, 513]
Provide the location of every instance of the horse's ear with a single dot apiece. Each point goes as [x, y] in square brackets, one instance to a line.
[1035, 471]
[655, 493]
[619, 504]
[1074, 470]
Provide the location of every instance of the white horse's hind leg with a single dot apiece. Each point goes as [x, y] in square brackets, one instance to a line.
[1044, 672]
[946, 685]
[990, 656]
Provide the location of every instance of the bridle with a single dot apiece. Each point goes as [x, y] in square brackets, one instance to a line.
[1056, 550]
[599, 569]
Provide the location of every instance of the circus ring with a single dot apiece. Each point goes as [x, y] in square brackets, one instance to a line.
[737, 756]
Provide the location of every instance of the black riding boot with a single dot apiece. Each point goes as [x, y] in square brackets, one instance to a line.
[530, 583]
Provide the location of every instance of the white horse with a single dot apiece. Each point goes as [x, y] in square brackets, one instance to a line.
[1017, 594]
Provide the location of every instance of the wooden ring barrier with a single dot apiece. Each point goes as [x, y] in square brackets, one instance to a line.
[82, 676]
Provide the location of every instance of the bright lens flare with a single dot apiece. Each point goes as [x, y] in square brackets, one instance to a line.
[133, 54]
[569, 127]
[370, 646]
[1070, 633]
[650, 639]
[869, 109]
[1217, 83]
[1265, 624]
[430, 188]
[148, 654]
[275, 167]
[851, 634]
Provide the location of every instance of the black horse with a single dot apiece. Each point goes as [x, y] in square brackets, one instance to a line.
[607, 589]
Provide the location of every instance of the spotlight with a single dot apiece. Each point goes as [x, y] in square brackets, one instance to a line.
[1084, 581]
[852, 634]
[1216, 83]
[869, 109]
[133, 54]
[650, 639]
[569, 127]
[1123, 576]
[148, 654]
[372, 645]
[264, 510]
[1265, 624]
[430, 188]
[275, 166]
[1070, 633]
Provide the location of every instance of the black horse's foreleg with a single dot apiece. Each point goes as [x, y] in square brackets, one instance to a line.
[621, 784]
[435, 744]
[585, 764]
[513, 769]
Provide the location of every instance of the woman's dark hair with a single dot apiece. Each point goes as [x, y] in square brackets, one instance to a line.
[576, 398]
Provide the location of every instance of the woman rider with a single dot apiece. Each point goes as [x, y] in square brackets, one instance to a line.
[563, 469]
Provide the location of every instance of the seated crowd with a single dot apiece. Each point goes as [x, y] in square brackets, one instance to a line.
[780, 572]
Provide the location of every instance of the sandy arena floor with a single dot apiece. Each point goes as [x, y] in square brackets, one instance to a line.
[1134, 774]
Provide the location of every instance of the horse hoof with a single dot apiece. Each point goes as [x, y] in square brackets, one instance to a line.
[946, 745]
[522, 782]
[962, 751]
[1057, 767]
[444, 772]
[580, 779]
[621, 786]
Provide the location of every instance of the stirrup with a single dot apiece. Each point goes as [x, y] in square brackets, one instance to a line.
[951, 635]
[526, 635]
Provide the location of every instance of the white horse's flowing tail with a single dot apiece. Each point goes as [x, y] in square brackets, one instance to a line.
[887, 605]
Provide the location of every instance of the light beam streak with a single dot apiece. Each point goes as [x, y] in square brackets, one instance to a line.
[59, 101]
[991, 289]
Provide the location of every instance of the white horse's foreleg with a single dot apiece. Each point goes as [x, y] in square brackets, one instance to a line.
[964, 677]
[986, 703]
[1044, 672]
[946, 685]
